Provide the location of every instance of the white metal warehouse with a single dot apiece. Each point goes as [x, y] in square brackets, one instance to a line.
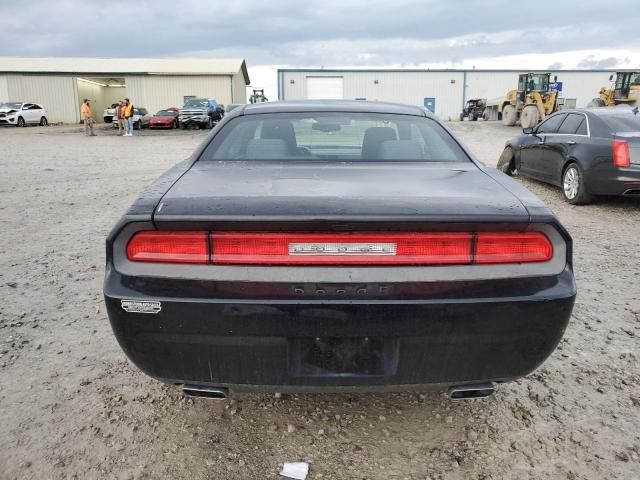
[445, 90]
[60, 84]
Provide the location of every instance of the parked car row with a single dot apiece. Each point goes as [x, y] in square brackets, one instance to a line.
[21, 114]
[198, 112]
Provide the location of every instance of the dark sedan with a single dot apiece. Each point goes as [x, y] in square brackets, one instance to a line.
[320, 246]
[586, 152]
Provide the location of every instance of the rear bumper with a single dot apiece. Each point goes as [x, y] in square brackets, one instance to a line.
[605, 179]
[299, 345]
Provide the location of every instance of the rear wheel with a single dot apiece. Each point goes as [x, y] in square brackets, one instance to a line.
[573, 188]
[506, 162]
[596, 103]
[44, 122]
[530, 116]
[509, 115]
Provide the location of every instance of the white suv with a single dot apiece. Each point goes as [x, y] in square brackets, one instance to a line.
[21, 114]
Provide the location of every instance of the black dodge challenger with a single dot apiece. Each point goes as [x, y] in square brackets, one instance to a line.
[316, 246]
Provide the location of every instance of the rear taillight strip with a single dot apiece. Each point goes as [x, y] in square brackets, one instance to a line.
[284, 248]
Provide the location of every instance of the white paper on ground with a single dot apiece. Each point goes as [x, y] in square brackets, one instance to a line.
[297, 470]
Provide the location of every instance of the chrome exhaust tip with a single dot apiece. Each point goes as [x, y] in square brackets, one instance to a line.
[467, 392]
[212, 393]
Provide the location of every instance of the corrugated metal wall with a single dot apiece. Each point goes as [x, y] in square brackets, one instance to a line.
[56, 93]
[447, 87]
[4, 90]
[239, 88]
[157, 92]
[407, 87]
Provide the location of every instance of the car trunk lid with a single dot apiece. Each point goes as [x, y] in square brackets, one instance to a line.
[310, 191]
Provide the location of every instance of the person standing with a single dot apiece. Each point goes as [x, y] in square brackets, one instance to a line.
[127, 111]
[118, 116]
[87, 118]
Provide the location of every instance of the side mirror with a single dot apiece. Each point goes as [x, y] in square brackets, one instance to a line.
[529, 130]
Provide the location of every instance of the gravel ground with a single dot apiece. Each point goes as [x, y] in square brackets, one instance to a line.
[72, 406]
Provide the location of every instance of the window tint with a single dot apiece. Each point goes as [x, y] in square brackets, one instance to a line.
[551, 124]
[582, 128]
[627, 122]
[571, 123]
[339, 136]
[27, 106]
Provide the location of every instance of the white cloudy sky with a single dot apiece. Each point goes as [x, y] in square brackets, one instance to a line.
[358, 33]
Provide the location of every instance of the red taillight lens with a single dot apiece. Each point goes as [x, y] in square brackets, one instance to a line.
[253, 248]
[169, 247]
[341, 249]
[621, 157]
[512, 247]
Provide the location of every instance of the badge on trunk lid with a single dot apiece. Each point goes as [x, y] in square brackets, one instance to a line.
[140, 306]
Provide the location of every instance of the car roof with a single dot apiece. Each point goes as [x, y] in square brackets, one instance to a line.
[361, 106]
[601, 111]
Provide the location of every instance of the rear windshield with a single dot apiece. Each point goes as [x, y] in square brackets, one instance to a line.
[628, 122]
[342, 136]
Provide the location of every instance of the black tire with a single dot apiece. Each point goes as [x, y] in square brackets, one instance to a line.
[596, 103]
[462, 117]
[137, 125]
[21, 122]
[44, 122]
[530, 116]
[509, 116]
[573, 189]
[506, 162]
[209, 125]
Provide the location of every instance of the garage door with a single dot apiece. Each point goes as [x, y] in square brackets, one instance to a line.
[324, 88]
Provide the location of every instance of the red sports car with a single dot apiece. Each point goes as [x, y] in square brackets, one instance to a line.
[164, 119]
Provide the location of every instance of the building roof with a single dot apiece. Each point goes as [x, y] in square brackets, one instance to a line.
[450, 70]
[111, 66]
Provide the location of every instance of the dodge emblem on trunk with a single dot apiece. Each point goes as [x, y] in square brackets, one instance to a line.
[136, 306]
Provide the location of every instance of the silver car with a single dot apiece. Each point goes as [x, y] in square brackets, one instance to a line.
[141, 118]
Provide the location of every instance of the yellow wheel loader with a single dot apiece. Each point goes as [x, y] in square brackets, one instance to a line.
[530, 103]
[625, 91]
